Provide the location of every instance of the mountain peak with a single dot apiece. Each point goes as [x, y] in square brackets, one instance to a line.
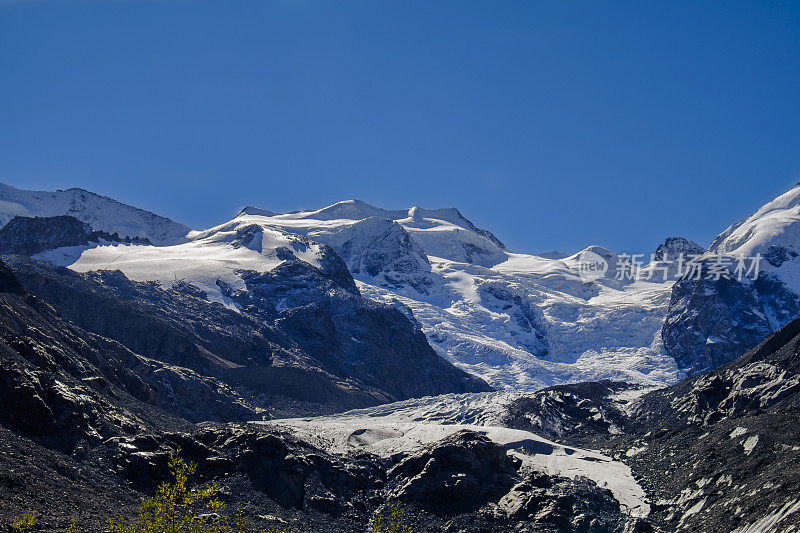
[99, 212]
[672, 247]
[252, 210]
[776, 223]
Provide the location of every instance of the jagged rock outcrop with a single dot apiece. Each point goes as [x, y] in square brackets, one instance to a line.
[583, 412]
[675, 247]
[564, 504]
[458, 474]
[31, 235]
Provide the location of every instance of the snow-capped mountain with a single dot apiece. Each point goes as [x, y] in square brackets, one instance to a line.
[213, 260]
[266, 314]
[518, 321]
[713, 321]
[101, 213]
[774, 232]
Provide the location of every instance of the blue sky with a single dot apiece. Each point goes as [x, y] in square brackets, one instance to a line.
[553, 124]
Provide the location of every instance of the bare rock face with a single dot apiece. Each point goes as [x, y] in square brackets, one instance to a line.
[58, 381]
[563, 504]
[457, 474]
[712, 322]
[584, 412]
[674, 247]
[31, 235]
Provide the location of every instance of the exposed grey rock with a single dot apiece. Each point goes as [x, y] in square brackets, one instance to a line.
[674, 247]
[455, 475]
[31, 235]
[563, 504]
[582, 412]
[712, 322]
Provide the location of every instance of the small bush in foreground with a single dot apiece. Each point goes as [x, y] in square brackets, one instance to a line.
[176, 508]
[24, 522]
[392, 524]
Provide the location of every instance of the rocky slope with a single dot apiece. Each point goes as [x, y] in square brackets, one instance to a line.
[297, 314]
[716, 452]
[87, 428]
[327, 350]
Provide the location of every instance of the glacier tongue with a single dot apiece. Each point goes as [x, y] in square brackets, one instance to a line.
[404, 427]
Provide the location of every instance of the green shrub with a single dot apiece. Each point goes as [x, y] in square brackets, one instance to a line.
[394, 524]
[24, 522]
[176, 508]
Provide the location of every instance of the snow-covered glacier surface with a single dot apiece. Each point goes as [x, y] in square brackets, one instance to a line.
[212, 260]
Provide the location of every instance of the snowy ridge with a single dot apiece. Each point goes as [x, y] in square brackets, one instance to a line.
[775, 223]
[774, 232]
[711, 321]
[100, 212]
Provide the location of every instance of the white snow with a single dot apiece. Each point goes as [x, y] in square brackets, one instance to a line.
[609, 329]
[750, 444]
[738, 432]
[521, 322]
[776, 224]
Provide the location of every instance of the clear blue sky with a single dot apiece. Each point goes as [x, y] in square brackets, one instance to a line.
[553, 124]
